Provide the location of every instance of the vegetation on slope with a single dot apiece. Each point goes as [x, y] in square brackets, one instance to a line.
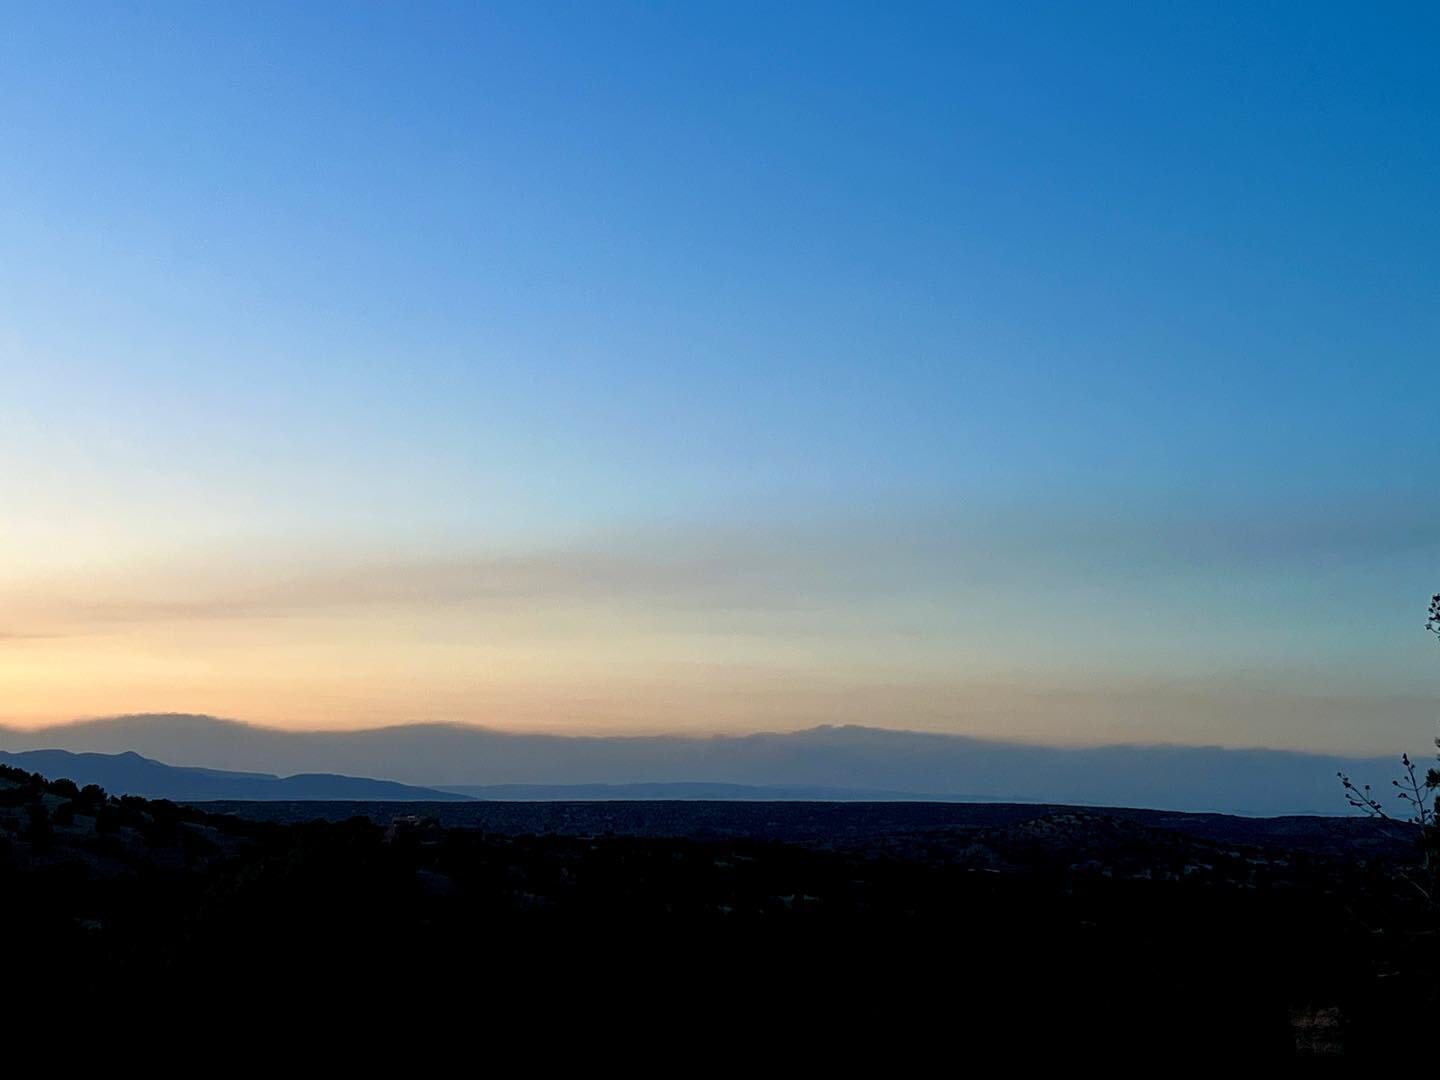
[1101, 934]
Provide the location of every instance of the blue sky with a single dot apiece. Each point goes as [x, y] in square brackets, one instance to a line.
[946, 359]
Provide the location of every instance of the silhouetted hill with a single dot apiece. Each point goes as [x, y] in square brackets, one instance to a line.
[131, 774]
[845, 761]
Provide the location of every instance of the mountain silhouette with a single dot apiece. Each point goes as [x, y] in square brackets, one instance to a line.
[131, 774]
[846, 761]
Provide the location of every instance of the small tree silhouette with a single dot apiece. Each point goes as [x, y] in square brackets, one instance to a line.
[1419, 794]
[1413, 790]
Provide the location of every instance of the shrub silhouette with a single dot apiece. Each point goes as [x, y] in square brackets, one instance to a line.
[64, 787]
[1419, 796]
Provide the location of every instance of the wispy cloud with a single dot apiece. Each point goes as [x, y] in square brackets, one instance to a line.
[481, 583]
[776, 569]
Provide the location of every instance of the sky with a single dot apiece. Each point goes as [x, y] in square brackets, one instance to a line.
[1053, 372]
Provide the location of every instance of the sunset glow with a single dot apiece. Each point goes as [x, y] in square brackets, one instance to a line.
[645, 374]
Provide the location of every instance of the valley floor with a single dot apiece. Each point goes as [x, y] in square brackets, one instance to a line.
[889, 933]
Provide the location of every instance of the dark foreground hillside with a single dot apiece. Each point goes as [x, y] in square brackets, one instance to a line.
[1072, 933]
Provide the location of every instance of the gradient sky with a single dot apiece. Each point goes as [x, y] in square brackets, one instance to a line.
[1059, 372]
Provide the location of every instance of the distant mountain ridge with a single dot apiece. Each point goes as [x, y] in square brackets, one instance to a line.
[131, 774]
[854, 762]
